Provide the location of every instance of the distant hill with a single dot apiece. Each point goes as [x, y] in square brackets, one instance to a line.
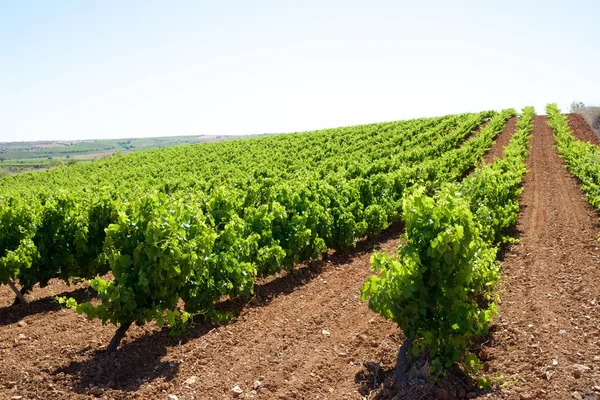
[42, 154]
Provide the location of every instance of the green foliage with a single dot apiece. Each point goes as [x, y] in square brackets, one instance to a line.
[494, 190]
[582, 158]
[431, 290]
[439, 287]
[158, 253]
[181, 228]
[18, 221]
[376, 219]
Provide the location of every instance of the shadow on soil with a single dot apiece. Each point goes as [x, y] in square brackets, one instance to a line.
[377, 383]
[139, 361]
[15, 313]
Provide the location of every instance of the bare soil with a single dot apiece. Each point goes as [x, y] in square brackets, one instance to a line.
[581, 129]
[545, 342]
[306, 334]
[501, 141]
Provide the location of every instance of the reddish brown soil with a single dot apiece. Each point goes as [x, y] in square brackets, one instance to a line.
[501, 141]
[551, 287]
[308, 336]
[581, 129]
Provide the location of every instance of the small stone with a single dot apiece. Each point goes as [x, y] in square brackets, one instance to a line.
[236, 391]
[190, 381]
[256, 385]
[22, 337]
[16, 398]
[96, 391]
[577, 396]
[172, 397]
[325, 332]
[555, 362]
[441, 394]
[579, 370]
[22, 324]
[548, 375]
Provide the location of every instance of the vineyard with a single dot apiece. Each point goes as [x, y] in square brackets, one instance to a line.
[446, 257]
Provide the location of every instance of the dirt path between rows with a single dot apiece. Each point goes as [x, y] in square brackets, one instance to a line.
[546, 339]
[501, 141]
[306, 336]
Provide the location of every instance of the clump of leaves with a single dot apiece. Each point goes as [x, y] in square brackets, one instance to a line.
[432, 290]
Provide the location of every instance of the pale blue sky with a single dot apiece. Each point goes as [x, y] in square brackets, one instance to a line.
[72, 69]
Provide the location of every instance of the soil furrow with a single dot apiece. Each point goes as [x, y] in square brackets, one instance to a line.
[501, 141]
[546, 340]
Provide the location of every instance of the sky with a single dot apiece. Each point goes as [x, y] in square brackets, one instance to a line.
[72, 69]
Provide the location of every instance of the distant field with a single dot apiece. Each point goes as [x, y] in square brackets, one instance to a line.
[18, 156]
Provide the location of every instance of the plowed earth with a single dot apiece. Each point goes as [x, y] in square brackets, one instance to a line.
[545, 342]
[581, 129]
[501, 141]
[306, 335]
